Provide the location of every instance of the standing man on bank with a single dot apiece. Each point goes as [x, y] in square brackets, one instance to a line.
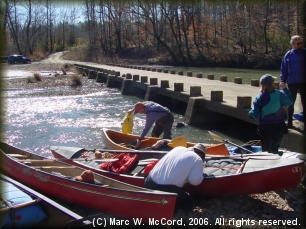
[293, 72]
[154, 113]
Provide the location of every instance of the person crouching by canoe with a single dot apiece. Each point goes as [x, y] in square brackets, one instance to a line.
[268, 106]
[176, 168]
[154, 113]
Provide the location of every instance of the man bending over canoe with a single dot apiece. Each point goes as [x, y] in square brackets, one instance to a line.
[176, 168]
[154, 113]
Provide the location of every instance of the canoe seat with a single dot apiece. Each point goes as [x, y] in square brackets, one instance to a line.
[17, 155]
[53, 167]
[137, 170]
[35, 160]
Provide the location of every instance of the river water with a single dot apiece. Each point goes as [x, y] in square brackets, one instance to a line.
[36, 123]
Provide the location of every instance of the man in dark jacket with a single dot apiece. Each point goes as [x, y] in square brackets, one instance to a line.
[293, 72]
[154, 113]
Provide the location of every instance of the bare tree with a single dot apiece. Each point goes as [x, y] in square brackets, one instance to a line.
[149, 22]
[4, 10]
[115, 11]
[28, 26]
[14, 23]
[183, 33]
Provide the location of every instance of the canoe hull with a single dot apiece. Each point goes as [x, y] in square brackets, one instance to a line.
[53, 210]
[113, 140]
[249, 183]
[124, 203]
[275, 174]
[133, 180]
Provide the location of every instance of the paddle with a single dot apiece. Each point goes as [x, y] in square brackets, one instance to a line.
[89, 159]
[178, 141]
[132, 151]
[262, 155]
[258, 156]
[218, 138]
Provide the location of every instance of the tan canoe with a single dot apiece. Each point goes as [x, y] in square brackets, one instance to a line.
[115, 140]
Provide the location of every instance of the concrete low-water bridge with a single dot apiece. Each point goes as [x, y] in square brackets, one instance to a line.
[204, 98]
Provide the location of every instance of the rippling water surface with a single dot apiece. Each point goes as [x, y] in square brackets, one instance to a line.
[36, 123]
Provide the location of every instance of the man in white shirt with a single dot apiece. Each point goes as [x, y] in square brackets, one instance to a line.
[176, 168]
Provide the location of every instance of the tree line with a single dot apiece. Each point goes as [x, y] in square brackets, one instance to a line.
[199, 32]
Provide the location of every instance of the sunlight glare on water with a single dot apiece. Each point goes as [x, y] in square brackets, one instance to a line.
[23, 74]
[70, 120]
[36, 123]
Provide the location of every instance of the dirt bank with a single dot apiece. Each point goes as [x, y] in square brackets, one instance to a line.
[51, 75]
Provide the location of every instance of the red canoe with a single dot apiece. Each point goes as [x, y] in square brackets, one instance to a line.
[226, 175]
[106, 195]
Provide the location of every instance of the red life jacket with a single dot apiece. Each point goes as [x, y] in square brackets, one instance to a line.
[149, 167]
[124, 163]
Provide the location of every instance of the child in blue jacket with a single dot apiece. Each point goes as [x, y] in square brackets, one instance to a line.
[268, 107]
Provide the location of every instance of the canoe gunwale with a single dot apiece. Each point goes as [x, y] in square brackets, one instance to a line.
[48, 205]
[37, 169]
[126, 194]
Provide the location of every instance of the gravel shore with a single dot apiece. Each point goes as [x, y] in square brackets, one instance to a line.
[55, 76]
[218, 212]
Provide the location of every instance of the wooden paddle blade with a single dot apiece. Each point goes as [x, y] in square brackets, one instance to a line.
[218, 149]
[178, 141]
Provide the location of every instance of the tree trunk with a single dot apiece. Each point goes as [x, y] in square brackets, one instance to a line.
[266, 28]
[4, 12]
[28, 39]
[13, 26]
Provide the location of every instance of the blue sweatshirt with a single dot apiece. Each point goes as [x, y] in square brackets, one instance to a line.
[268, 106]
[293, 67]
[153, 112]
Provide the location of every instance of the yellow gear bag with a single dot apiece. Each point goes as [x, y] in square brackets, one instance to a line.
[127, 123]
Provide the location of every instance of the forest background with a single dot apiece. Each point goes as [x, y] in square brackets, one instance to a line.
[243, 34]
